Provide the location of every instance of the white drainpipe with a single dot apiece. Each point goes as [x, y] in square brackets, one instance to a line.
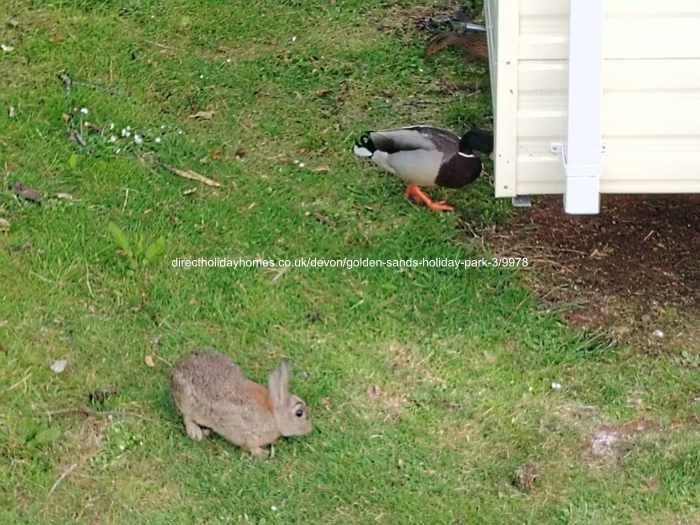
[584, 146]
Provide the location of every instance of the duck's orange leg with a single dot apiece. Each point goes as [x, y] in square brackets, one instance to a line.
[415, 193]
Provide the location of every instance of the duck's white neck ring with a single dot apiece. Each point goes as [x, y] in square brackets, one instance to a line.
[466, 156]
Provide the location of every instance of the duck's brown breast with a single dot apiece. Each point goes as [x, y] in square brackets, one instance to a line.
[458, 171]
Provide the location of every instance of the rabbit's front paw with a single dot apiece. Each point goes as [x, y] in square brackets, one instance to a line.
[194, 431]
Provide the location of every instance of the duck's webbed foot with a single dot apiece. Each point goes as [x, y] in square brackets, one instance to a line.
[417, 195]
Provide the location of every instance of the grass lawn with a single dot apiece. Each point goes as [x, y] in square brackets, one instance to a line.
[430, 389]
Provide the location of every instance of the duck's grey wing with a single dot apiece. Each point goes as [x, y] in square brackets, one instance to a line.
[402, 139]
[442, 139]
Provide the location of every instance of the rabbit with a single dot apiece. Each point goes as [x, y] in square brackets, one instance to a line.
[210, 391]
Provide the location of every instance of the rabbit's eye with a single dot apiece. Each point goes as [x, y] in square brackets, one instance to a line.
[299, 413]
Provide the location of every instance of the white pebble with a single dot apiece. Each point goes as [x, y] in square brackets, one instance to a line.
[556, 386]
[59, 366]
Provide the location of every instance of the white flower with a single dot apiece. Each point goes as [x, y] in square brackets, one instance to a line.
[84, 111]
[7, 49]
[113, 139]
[156, 140]
[126, 132]
[138, 139]
[556, 386]
[111, 126]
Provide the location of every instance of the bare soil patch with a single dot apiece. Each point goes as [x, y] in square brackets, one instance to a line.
[638, 257]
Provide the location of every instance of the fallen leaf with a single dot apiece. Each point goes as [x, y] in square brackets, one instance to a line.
[65, 78]
[149, 361]
[26, 192]
[326, 403]
[64, 196]
[203, 115]
[193, 175]
[75, 136]
[189, 191]
[322, 169]
[374, 392]
[525, 477]
[99, 395]
[4, 225]
[59, 366]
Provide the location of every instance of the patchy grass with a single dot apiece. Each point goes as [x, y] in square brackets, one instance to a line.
[429, 388]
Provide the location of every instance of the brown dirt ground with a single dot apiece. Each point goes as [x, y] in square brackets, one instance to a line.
[639, 258]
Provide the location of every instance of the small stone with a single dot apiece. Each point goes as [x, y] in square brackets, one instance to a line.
[525, 477]
[604, 442]
[59, 366]
[658, 334]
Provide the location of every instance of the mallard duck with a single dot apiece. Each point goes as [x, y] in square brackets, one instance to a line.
[427, 156]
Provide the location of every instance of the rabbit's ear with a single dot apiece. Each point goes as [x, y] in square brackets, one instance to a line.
[278, 383]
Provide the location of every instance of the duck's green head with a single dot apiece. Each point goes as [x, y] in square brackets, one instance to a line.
[476, 140]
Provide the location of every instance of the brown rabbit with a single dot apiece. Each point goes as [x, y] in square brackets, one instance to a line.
[210, 391]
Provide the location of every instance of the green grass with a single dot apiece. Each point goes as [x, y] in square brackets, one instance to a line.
[429, 388]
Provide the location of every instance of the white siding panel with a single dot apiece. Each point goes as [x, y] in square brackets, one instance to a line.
[544, 76]
[624, 113]
[507, 96]
[651, 105]
[617, 168]
[667, 34]
[614, 7]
